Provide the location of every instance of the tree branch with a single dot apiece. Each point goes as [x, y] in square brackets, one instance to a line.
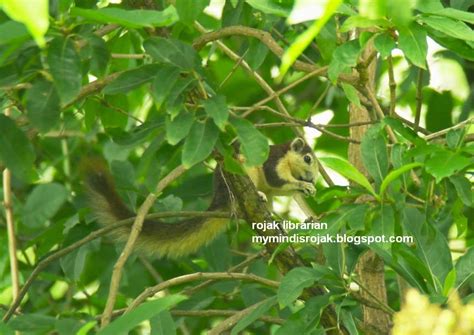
[252, 209]
[134, 233]
[92, 236]
[199, 276]
[8, 204]
[230, 322]
[264, 37]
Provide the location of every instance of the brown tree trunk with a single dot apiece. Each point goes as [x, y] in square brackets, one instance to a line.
[370, 267]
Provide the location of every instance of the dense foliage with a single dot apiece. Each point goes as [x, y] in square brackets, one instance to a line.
[153, 84]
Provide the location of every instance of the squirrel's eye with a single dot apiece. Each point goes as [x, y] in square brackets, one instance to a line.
[307, 159]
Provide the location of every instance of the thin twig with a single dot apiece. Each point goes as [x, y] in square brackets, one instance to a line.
[411, 124]
[392, 85]
[92, 236]
[385, 307]
[92, 88]
[234, 68]
[234, 268]
[8, 204]
[149, 292]
[381, 115]
[309, 124]
[128, 56]
[206, 313]
[419, 99]
[219, 312]
[134, 233]
[285, 89]
[99, 32]
[444, 131]
[264, 36]
[230, 322]
[320, 99]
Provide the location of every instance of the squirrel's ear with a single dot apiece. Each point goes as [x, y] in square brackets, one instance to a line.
[297, 144]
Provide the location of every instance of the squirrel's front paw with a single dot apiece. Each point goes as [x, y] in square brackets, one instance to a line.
[307, 189]
[263, 196]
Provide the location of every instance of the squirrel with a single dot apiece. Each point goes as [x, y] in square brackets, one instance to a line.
[290, 167]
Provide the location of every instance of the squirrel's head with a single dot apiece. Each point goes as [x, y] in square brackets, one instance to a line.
[302, 161]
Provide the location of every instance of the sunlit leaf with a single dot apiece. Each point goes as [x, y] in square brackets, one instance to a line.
[347, 170]
[412, 41]
[136, 18]
[303, 40]
[33, 14]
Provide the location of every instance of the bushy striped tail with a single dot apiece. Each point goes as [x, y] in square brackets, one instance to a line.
[160, 238]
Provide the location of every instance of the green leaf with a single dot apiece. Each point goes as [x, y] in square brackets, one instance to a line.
[145, 311]
[131, 79]
[464, 266]
[256, 54]
[431, 246]
[5, 329]
[188, 11]
[344, 57]
[412, 41]
[137, 18]
[43, 203]
[33, 14]
[271, 7]
[65, 66]
[395, 174]
[462, 4]
[351, 94]
[199, 143]
[294, 282]
[401, 129]
[12, 32]
[384, 225]
[171, 51]
[445, 163]
[163, 84]
[306, 320]
[163, 324]
[33, 323]
[455, 14]
[256, 312]
[99, 55]
[303, 40]
[464, 189]
[449, 282]
[216, 108]
[176, 97]
[254, 145]
[16, 152]
[359, 21]
[400, 12]
[179, 127]
[384, 44]
[374, 153]
[373, 9]
[462, 48]
[449, 27]
[347, 170]
[43, 105]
